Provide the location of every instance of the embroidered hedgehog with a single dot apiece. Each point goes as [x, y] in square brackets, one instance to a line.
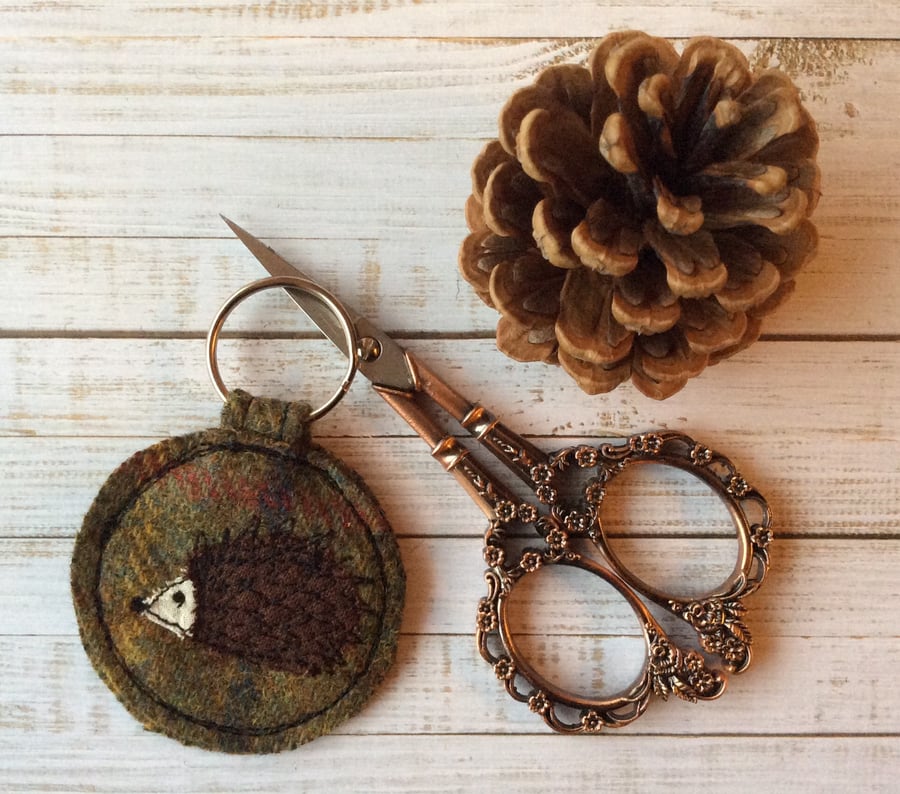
[274, 598]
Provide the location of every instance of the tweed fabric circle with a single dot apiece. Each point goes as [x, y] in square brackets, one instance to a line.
[238, 588]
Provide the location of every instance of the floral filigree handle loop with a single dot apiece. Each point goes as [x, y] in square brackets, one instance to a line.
[668, 669]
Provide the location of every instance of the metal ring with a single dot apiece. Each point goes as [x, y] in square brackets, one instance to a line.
[302, 285]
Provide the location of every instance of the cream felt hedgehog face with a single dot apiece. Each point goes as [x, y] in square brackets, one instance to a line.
[275, 598]
[174, 607]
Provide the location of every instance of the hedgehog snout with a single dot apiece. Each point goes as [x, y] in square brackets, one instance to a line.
[138, 605]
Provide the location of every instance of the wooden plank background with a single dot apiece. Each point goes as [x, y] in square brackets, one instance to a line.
[343, 130]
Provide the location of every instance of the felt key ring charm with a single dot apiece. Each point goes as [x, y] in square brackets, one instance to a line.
[239, 588]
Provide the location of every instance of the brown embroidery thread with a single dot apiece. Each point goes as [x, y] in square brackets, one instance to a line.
[274, 598]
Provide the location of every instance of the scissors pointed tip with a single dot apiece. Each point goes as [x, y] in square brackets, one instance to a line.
[269, 259]
[242, 234]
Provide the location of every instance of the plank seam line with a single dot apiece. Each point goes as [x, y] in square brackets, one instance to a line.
[396, 333]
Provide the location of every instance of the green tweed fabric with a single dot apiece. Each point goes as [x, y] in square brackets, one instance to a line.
[239, 588]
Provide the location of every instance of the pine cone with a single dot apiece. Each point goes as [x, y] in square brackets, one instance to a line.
[638, 217]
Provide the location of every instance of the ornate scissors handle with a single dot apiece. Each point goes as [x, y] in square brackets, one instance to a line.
[716, 616]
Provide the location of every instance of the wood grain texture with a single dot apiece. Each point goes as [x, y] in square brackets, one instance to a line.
[445, 582]
[368, 88]
[459, 763]
[172, 186]
[158, 387]
[397, 278]
[458, 18]
[439, 687]
[844, 489]
[342, 131]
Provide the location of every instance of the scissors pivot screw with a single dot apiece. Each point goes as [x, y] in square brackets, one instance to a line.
[368, 348]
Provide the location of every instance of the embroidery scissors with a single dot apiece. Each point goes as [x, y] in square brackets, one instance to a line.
[408, 385]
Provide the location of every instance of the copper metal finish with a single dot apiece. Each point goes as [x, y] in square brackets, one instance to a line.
[716, 617]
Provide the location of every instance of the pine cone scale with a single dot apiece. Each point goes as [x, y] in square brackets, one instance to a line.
[509, 200]
[558, 150]
[607, 240]
[679, 215]
[553, 222]
[585, 327]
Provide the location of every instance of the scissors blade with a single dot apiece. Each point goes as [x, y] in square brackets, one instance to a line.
[388, 368]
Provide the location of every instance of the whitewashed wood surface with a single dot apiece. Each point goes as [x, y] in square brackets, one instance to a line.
[343, 130]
